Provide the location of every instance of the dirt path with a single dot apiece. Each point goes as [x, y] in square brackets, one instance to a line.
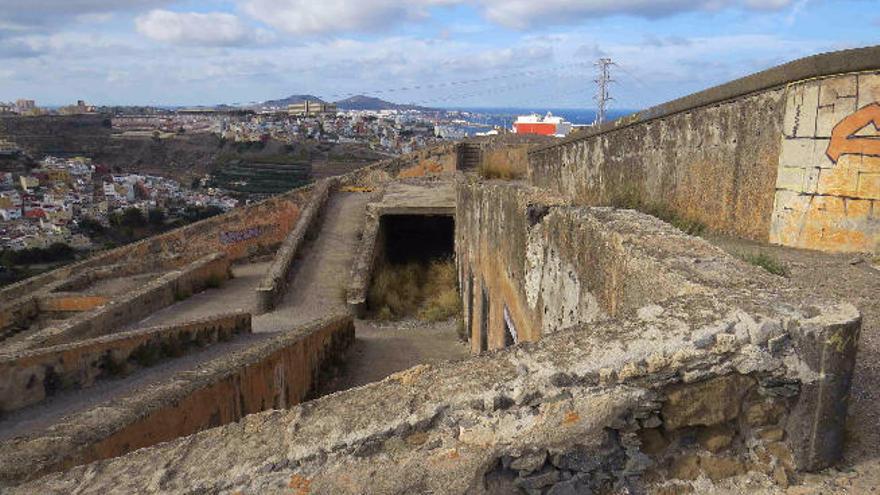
[852, 278]
[381, 349]
[233, 295]
[44, 414]
[320, 276]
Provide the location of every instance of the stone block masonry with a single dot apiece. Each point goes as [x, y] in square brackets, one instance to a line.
[828, 181]
[789, 155]
[30, 377]
[274, 284]
[274, 374]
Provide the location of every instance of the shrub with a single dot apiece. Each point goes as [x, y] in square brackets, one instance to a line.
[425, 290]
[767, 262]
[500, 170]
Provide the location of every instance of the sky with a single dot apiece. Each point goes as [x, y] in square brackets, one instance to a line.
[441, 53]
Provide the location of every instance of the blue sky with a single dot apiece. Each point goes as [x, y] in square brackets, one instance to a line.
[525, 53]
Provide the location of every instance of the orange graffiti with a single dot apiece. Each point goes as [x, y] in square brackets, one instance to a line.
[299, 484]
[843, 138]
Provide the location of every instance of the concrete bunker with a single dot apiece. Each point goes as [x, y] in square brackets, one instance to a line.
[414, 270]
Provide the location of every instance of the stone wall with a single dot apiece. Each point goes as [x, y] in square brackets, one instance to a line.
[532, 266]
[708, 385]
[30, 377]
[714, 164]
[117, 313]
[250, 230]
[274, 284]
[275, 374]
[754, 158]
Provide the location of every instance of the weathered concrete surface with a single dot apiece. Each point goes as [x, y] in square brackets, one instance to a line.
[528, 416]
[274, 284]
[318, 279]
[409, 197]
[276, 373]
[715, 165]
[31, 376]
[753, 158]
[828, 181]
[118, 312]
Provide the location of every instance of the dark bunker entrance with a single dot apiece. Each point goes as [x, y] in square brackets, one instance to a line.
[414, 273]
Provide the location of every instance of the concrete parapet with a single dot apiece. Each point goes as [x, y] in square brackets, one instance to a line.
[705, 387]
[787, 155]
[111, 317]
[365, 261]
[273, 374]
[274, 285]
[29, 377]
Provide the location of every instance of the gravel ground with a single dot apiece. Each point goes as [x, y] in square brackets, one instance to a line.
[856, 279]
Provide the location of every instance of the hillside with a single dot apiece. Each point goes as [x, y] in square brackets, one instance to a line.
[361, 102]
[291, 100]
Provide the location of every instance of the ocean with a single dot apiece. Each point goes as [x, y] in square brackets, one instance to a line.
[505, 116]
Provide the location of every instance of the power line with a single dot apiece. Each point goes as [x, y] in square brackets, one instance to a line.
[603, 96]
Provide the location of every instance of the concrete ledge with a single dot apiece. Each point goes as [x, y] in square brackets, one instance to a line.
[600, 406]
[365, 261]
[277, 373]
[274, 285]
[70, 302]
[821, 65]
[29, 377]
[156, 295]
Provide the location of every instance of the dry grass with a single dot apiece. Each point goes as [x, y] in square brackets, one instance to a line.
[501, 170]
[425, 290]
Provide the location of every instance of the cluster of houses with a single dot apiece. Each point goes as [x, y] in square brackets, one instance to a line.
[48, 204]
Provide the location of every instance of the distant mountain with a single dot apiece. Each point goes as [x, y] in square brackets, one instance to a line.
[291, 100]
[361, 102]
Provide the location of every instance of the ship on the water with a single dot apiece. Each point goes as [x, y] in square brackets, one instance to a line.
[548, 125]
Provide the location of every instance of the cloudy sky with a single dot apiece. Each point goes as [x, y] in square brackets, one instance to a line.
[527, 53]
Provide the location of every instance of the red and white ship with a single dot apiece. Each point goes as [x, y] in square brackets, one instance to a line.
[548, 125]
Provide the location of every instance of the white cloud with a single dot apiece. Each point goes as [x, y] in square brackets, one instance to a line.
[521, 14]
[309, 17]
[191, 28]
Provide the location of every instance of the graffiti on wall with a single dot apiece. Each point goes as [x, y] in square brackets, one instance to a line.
[828, 181]
[848, 138]
[236, 236]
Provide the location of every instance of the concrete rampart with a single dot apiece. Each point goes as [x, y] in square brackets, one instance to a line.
[111, 317]
[753, 158]
[31, 376]
[70, 302]
[275, 374]
[254, 229]
[274, 285]
[706, 386]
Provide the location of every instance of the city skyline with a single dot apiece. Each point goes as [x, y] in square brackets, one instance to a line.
[441, 53]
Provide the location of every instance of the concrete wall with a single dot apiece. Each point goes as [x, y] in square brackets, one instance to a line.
[115, 315]
[828, 181]
[754, 158]
[642, 404]
[254, 229]
[30, 377]
[276, 374]
[274, 284]
[545, 266]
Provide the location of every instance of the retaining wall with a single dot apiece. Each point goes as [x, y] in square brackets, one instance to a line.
[275, 374]
[696, 389]
[111, 317]
[30, 377]
[754, 158]
[254, 229]
[274, 284]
